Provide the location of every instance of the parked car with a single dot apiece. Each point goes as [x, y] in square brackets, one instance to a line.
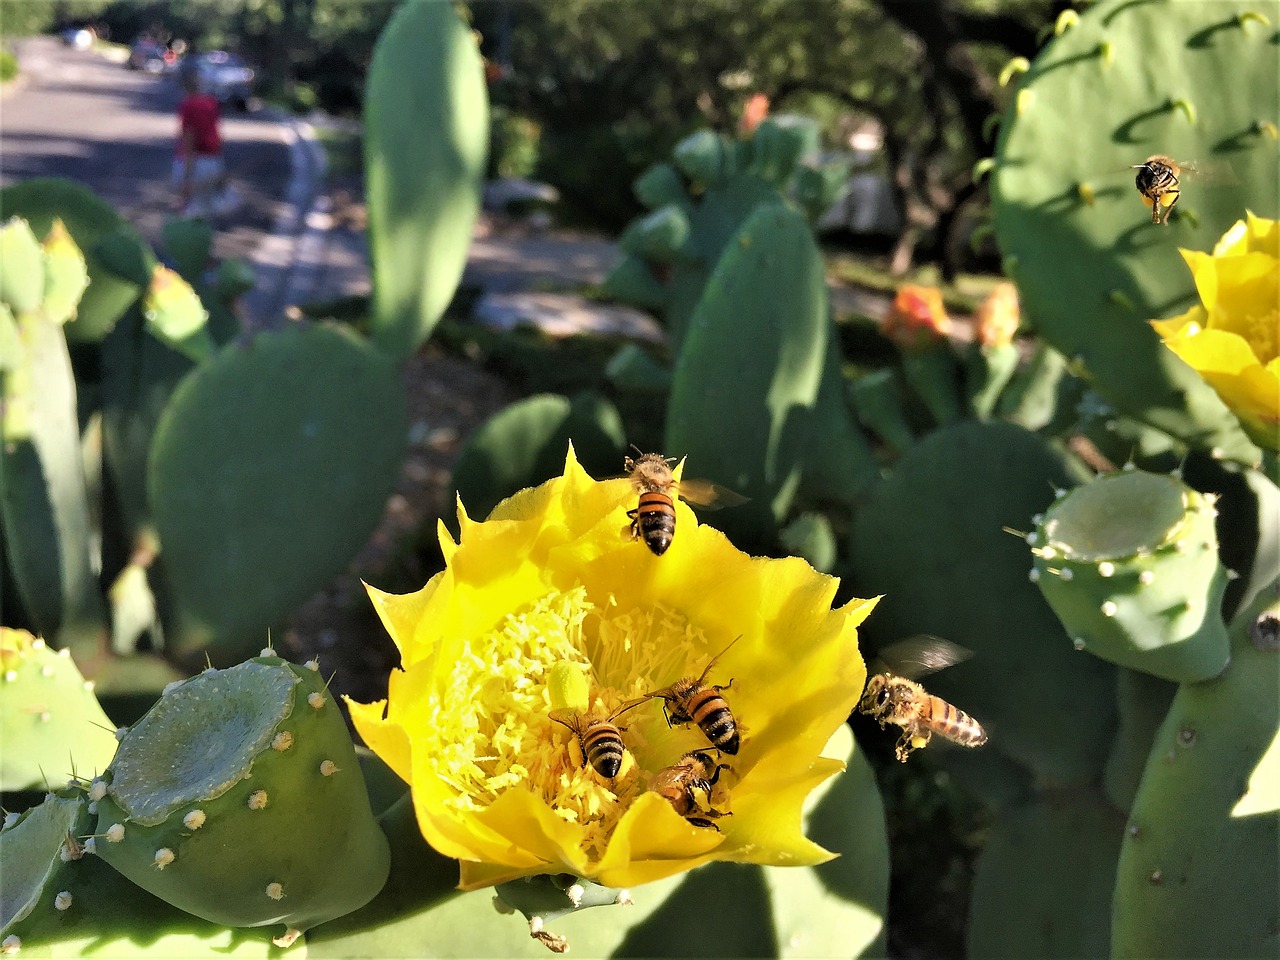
[149, 56]
[227, 77]
[79, 37]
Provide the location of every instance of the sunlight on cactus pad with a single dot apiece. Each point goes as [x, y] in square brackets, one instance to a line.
[1232, 338]
[550, 605]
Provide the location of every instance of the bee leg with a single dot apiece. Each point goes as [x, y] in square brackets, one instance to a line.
[1171, 197]
[715, 774]
[725, 687]
[633, 516]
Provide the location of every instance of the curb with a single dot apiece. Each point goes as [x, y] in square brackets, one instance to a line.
[291, 257]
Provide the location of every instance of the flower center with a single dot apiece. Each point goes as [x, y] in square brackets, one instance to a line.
[494, 729]
[1263, 331]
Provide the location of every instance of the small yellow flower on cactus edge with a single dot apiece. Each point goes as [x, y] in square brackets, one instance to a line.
[1232, 338]
[917, 318]
[549, 605]
[998, 316]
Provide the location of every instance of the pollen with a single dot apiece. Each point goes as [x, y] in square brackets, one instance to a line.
[512, 678]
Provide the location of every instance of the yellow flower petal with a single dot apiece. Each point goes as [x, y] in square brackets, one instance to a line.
[1233, 339]
[553, 584]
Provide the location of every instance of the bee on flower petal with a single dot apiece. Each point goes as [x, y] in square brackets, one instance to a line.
[891, 697]
[600, 740]
[689, 700]
[696, 772]
[654, 518]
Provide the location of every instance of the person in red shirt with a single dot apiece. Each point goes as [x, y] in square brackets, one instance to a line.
[198, 168]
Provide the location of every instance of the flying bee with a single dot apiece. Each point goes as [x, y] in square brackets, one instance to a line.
[893, 698]
[654, 518]
[1159, 180]
[689, 701]
[679, 783]
[599, 740]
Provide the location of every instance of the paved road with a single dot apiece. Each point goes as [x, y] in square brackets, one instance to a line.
[75, 114]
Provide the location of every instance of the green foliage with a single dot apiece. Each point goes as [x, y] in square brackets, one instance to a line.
[513, 144]
[238, 798]
[1129, 563]
[251, 448]
[930, 537]
[724, 909]
[525, 444]
[742, 364]
[1197, 873]
[1069, 844]
[8, 66]
[1091, 267]
[426, 129]
[99, 232]
[50, 722]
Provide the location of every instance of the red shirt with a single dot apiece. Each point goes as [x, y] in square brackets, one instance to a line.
[199, 114]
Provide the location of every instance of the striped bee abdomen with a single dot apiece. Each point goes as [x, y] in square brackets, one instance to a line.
[712, 715]
[654, 520]
[955, 724]
[602, 748]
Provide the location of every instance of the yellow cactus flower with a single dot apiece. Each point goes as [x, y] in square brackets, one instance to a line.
[1232, 338]
[917, 318]
[550, 605]
[998, 316]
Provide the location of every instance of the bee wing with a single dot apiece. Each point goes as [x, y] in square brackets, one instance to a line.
[921, 655]
[708, 495]
[1217, 172]
[566, 717]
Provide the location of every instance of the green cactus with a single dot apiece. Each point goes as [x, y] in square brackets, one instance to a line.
[50, 722]
[1042, 885]
[43, 496]
[66, 275]
[238, 798]
[88, 219]
[1195, 81]
[932, 537]
[22, 284]
[189, 243]
[253, 446]
[426, 136]
[175, 314]
[1198, 872]
[719, 908]
[754, 357]
[1129, 563]
[524, 444]
[1143, 701]
[722, 184]
[59, 899]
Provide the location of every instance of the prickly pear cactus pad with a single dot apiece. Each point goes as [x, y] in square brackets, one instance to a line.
[1198, 870]
[1197, 81]
[426, 137]
[1130, 565]
[58, 899]
[238, 798]
[268, 470]
[51, 725]
[932, 537]
[88, 219]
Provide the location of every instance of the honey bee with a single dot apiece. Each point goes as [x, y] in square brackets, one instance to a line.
[893, 698]
[1157, 181]
[600, 740]
[688, 701]
[696, 771]
[654, 518]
